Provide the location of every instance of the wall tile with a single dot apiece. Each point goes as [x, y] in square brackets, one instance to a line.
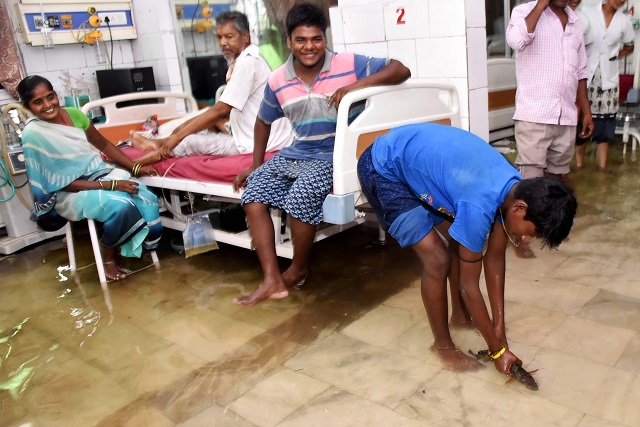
[405, 52]
[347, 3]
[34, 59]
[339, 48]
[479, 113]
[475, 13]
[173, 70]
[146, 17]
[463, 95]
[477, 57]
[446, 18]
[414, 15]
[442, 57]
[169, 45]
[363, 25]
[337, 31]
[374, 50]
[160, 72]
[64, 57]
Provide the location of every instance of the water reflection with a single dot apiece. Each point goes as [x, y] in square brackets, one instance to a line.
[170, 344]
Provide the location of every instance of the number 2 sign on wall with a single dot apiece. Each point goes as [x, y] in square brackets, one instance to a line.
[400, 12]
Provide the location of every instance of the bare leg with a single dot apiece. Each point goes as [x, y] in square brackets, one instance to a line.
[147, 144]
[303, 235]
[602, 150]
[109, 259]
[460, 317]
[261, 227]
[435, 261]
[580, 150]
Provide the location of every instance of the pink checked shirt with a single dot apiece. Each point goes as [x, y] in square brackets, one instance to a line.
[549, 63]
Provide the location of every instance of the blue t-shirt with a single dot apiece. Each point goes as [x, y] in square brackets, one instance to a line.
[453, 171]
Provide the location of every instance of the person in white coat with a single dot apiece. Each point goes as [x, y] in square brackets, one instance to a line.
[612, 37]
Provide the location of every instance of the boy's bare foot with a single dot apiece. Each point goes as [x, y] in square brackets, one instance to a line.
[524, 251]
[264, 292]
[294, 279]
[454, 359]
[143, 143]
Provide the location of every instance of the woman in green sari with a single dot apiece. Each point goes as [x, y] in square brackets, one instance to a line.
[70, 179]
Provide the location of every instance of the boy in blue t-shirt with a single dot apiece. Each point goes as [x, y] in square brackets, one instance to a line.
[423, 177]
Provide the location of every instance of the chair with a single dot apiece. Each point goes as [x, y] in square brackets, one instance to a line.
[95, 244]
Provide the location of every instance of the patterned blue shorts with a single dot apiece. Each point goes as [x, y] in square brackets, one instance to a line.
[298, 187]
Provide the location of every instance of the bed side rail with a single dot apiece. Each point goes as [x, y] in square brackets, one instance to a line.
[414, 101]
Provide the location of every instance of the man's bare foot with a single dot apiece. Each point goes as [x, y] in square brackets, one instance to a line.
[454, 359]
[524, 251]
[264, 292]
[112, 271]
[143, 143]
[294, 279]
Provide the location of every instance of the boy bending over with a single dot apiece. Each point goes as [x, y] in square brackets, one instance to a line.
[423, 177]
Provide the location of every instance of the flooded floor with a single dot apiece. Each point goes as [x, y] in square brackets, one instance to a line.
[169, 348]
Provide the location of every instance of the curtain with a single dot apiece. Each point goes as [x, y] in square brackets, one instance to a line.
[9, 56]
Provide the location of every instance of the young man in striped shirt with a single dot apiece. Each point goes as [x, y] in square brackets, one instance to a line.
[307, 90]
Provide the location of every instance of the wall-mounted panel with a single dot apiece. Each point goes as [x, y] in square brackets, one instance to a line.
[69, 21]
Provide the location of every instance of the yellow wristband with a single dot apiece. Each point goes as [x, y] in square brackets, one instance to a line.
[498, 353]
[114, 185]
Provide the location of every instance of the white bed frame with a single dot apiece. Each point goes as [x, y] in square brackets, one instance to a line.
[414, 101]
[501, 79]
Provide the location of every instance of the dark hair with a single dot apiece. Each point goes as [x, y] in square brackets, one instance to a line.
[239, 20]
[551, 207]
[306, 15]
[28, 85]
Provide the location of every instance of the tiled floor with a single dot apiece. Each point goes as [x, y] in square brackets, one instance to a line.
[351, 349]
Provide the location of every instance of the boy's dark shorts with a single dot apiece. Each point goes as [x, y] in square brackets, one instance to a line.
[399, 211]
[604, 130]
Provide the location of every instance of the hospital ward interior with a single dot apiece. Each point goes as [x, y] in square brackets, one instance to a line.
[351, 344]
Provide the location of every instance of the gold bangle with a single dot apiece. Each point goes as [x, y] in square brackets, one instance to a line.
[498, 353]
[136, 169]
[114, 185]
[101, 184]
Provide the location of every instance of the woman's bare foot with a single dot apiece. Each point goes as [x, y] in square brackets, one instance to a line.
[524, 251]
[112, 271]
[143, 143]
[264, 292]
[454, 359]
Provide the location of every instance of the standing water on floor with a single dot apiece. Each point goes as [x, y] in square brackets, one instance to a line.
[163, 347]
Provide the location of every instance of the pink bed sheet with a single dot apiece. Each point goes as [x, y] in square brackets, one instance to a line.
[200, 168]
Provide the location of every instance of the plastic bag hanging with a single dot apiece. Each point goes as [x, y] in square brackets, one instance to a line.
[198, 235]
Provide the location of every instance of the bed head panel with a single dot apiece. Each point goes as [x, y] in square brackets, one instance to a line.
[414, 101]
[120, 119]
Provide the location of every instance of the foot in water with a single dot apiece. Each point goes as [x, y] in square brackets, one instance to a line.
[263, 293]
[142, 143]
[454, 359]
[112, 271]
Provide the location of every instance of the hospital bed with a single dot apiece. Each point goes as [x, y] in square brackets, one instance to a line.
[385, 107]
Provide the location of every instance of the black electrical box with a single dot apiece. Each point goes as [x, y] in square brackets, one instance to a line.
[207, 74]
[126, 80]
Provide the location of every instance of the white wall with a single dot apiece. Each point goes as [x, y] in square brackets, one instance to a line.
[73, 66]
[441, 40]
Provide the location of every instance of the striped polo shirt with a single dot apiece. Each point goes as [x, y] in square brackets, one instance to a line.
[313, 122]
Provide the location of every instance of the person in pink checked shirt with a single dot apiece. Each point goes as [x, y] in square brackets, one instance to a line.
[552, 89]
